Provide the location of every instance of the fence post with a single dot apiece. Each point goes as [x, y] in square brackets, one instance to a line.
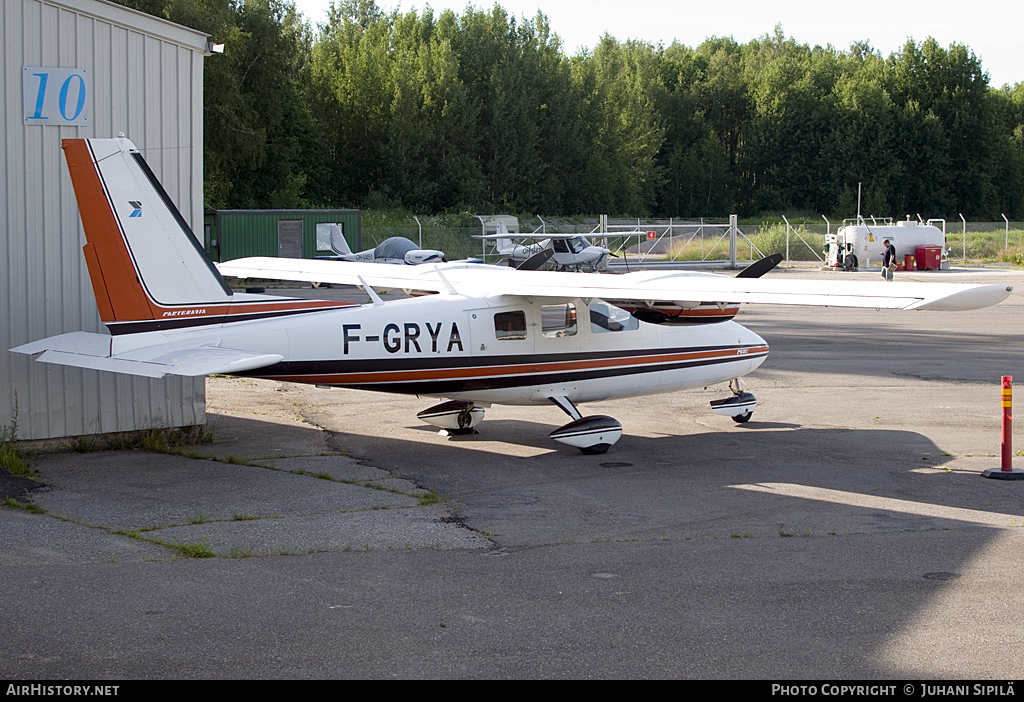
[965, 237]
[787, 237]
[732, 240]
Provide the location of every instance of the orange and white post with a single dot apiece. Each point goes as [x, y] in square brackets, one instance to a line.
[1006, 471]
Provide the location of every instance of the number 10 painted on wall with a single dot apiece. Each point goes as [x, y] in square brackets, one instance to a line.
[57, 96]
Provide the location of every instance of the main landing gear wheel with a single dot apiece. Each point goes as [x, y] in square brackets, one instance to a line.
[595, 450]
[455, 416]
[740, 418]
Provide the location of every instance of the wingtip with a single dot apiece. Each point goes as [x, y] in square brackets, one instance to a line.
[972, 298]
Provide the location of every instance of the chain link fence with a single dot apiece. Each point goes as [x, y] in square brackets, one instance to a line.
[707, 240]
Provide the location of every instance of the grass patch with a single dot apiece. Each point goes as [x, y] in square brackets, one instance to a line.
[24, 506]
[176, 440]
[11, 458]
[196, 549]
[769, 239]
[432, 498]
[1012, 254]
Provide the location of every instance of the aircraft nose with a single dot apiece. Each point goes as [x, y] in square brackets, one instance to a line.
[754, 338]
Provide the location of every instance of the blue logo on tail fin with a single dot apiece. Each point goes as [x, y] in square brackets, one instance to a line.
[137, 212]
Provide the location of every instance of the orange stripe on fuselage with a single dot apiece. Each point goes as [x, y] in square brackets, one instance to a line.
[523, 369]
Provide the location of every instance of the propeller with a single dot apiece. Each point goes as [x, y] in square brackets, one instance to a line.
[759, 268]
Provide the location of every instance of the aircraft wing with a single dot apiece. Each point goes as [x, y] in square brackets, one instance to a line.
[684, 288]
[538, 236]
[422, 278]
[88, 350]
[589, 236]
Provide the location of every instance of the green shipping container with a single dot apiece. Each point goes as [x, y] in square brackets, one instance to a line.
[231, 234]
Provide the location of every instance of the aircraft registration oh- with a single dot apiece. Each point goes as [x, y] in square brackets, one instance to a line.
[486, 335]
[396, 250]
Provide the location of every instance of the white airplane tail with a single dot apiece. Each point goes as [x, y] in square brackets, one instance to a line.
[144, 261]
[503, 247]
[150, 274]
[338, 243]
[148, 271]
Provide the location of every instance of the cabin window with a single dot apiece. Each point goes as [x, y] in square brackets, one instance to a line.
[607, 318]
[558, 320]
[569, 246]
[510, 325]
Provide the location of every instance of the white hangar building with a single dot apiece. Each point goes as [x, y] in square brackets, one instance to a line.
[77, 69]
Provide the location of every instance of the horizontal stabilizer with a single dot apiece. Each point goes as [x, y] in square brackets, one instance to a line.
[85, 350]
[76, 342]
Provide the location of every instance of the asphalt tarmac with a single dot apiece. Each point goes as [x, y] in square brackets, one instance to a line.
[843, 533]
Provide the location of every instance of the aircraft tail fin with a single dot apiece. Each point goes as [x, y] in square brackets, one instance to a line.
[338, 243]
[143, 259]
[504, 247]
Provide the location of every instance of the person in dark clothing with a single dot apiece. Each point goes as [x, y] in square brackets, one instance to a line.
[888, 260]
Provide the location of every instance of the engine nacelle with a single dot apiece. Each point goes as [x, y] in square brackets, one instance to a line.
[679, 313]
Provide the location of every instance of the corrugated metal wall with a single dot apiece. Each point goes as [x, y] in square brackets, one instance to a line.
[242, 233]
[145, 78]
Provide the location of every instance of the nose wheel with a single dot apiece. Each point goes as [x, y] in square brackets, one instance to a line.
[740, 407]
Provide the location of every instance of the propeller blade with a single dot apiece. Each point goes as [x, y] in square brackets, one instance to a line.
[536, 261]
[759, 268]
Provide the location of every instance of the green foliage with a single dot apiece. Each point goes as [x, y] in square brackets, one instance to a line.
[177, 440]
[11, 459]
[1013, 254]
[30, 507]
[195, 549]
[484, 112]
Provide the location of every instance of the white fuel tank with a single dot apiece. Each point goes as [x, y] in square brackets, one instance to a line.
[866, 239]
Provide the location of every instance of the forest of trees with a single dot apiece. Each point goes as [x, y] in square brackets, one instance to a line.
[484, 112]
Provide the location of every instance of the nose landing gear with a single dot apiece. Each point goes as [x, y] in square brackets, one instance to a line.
[740, 406]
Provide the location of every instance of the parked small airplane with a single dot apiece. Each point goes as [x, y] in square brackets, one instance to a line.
[397, 250]
[487, 335]
[568, 251]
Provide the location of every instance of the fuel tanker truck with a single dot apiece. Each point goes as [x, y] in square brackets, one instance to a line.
[857, 245]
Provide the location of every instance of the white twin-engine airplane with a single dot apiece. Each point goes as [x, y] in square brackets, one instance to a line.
[488, 334]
